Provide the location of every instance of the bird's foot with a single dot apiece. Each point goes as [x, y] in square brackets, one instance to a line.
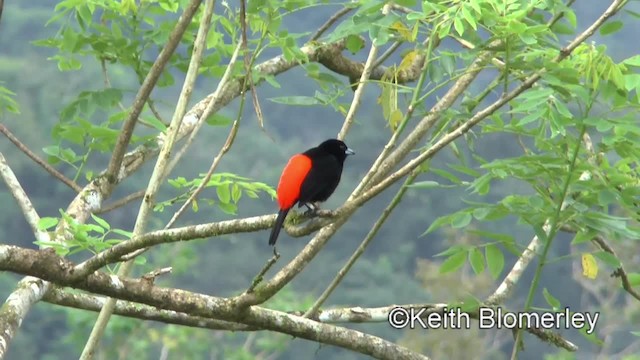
[312, 210]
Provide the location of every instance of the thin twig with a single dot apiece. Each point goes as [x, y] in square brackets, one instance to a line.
[560, 15]
[145, 90]
[385, 55]
[363, 245]
[619, 272]
[155, 112]
[335, 17]
[248, 66]
[55, 173]
[357, 96]
[120, 202]
[258, 278]
[226, 77]
[225, 148]
[153, 275]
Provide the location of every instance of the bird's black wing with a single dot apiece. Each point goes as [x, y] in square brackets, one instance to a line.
[322, 180]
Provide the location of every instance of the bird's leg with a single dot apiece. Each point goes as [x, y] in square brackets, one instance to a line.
[312, 209]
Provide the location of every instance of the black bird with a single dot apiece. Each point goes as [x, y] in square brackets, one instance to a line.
[308, 178]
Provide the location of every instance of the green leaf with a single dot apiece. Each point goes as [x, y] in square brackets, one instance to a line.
[101, 222]
[127, 234]
[354, 43]
[47, 223]
[452, 250]
[224, 194]
[236, 192]
[424, 184]
[453, 262]
[504, 238]
[540, 233]
[593, 338]
[468, 17]
[481, 213]
[437, 223]
[156, 123]
[476, 259]
[608, 258]
[460, 220]
[458, 26]
[551, 300]
[611, 27]
[634, 279]
[228, 208]
[296, 100]
[632, 61]
[583, 236]
[606, 197]
[495, 260]
[61, 249]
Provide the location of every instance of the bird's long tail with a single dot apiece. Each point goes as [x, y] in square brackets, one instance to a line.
[275, 231]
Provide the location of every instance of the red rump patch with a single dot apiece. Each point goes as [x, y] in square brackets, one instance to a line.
[291, 180]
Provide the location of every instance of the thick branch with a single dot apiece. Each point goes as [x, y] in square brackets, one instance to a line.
[47, 265]
[15, 309]
[29, 290]
[94, 303]
[329, 316]
[22, 199]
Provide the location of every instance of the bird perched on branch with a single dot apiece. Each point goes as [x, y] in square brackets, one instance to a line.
[309, 178]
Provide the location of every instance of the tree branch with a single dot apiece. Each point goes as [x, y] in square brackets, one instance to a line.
[121, 202]
[48, 266]
[363, 245]
[29, 290]
[355, 314]
[113, 170]
[227, 145]
[332, 20]
[357, 95]
[620, 272]
[22, 199]
[313, 247]
[94, 303]
[163, 158]
[51, 170]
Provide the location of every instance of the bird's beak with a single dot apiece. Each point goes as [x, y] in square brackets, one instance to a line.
[349, 152]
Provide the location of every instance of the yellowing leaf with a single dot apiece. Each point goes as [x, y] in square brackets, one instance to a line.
[589, 266]
[389, 97]
[395, 119]
[408, 60]
[128, 5]
[404, 32]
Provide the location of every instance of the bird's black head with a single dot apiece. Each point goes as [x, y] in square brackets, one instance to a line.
[336, 148]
